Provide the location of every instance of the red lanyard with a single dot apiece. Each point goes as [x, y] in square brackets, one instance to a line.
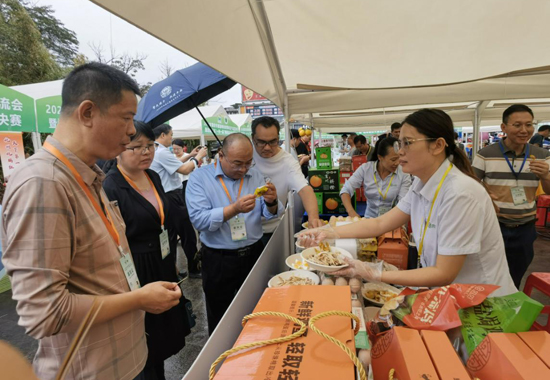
[225, 188]
[107, 220]
[132, 183]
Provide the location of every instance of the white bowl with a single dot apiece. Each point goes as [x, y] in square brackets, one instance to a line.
[309, 252]
[292, 258]
[305, 224]
[273, 283]
[377, 286]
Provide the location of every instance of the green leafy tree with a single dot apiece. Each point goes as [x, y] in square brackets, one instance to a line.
[24, 58]
[60, 41]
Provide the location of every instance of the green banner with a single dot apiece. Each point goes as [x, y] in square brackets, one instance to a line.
[246, 128]
[47, 113]
[16, 111]
[222, 126]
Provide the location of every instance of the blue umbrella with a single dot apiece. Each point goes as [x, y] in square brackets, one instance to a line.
[180, 92]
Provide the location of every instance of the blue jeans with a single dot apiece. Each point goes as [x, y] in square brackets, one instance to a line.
[518, 242]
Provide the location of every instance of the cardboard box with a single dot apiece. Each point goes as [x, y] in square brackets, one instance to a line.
[332, 204]
[443, 355]
[319, 197]
[393, 247]
[324, 180]
[402, 349]
[505, 356]
[310, 356]
[357, 161]
[344, 176]
[323, 156]
[539, 343]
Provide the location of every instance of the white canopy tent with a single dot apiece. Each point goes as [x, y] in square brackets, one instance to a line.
[41, 90]
[188, 125]
[243, 121]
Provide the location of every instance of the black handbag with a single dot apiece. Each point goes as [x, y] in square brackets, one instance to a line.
[191, 317]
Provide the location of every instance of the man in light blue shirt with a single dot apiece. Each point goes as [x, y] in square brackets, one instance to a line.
[168, 167]
[223, 206]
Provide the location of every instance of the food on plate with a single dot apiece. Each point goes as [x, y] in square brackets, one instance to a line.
[355, 285]
[294, 280]
[260, 191]
[380, 296]
[299, 264]
[335, 219]
[341, 281]
[324, 256]
[306, 224]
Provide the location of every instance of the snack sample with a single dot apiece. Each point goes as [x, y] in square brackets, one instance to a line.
[293, 280]
[324, 256]
[260, 191]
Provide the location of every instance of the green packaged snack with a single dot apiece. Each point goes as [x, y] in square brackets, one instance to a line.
[512, 313]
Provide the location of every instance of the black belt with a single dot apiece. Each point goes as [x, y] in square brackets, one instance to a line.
[517, 225]
[241, 252]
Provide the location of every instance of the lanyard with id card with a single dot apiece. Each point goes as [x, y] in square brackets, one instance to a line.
[163, 237]
[126, 261]
[383, 209]
[518, 192]
[236, 224]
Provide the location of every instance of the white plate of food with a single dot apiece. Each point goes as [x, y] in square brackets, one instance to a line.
[325, 258]
[294, 277]
[299, 248]
[296, 262]
[305, 225]
[378, 293]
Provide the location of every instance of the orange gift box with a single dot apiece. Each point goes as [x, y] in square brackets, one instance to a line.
[393, 247]
[539, 342]
[444, 357]
[402, 350]
[308, 357]
[505, 356]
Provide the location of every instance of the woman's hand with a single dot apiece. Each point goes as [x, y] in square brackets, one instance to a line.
[313, 236]
[356, 268]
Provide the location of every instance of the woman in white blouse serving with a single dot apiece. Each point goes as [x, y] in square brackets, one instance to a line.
[452, 216]
[383, 181]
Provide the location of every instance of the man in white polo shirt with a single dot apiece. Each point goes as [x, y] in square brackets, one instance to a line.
[282, 169]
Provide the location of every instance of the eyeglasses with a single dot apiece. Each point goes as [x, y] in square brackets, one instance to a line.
[405, 143]
[519, 125]
[142, 149]
[261, 144]
[245, 166]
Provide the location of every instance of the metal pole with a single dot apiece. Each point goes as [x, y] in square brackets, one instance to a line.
[476, 129]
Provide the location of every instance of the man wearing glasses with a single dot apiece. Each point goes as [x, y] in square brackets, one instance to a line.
[283, 170]
[168, 168]
[225, 207]
[512, 170]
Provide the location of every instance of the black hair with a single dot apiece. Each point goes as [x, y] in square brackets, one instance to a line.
[97, 82]
[178, 142]
[543, 128]
[435, 124]
[142, 129]
[395, 126]
[266, 122]
[381, 147]
[295, 133]
[456, 136]
[163, 128]
[513, 109]
[359, 138]
[352, 134]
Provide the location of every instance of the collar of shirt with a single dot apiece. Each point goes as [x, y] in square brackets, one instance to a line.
[428, 190]
[509, 150]
[89, 174]
[218, 171]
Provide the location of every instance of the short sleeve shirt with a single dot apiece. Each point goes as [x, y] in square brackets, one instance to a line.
[166, 165]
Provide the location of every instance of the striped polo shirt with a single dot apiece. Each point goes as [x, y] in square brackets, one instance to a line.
[491, 167]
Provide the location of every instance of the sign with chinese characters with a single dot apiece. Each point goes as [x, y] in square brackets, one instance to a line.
[16, 111]
[12, 151]
[251, 96]
[246, 128]
[267, 110]
[47, 113]
[222, 126]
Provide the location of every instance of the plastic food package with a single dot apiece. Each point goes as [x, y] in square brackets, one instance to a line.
[512, 313]
[436, 309]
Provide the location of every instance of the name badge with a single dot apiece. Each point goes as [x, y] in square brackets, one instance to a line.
[383, 209]
[518, 195]
[238, 228]
[129, 271]
[164, 243]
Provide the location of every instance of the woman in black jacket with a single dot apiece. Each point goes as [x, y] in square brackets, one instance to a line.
[142, 201]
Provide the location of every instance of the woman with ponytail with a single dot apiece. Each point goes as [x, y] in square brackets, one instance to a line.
[452, 216]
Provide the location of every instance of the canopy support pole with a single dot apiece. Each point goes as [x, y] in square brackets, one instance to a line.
[477, 124]
[209, 127]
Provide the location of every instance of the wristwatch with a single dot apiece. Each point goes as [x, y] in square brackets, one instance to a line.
[272, 203]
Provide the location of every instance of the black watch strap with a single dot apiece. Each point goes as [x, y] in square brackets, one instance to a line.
[272, 203]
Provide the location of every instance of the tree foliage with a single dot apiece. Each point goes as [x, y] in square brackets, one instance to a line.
[24, 58]
[61, 42]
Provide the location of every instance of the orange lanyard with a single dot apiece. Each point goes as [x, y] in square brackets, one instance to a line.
[225, 188]
[107, 220]
[159, 201]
